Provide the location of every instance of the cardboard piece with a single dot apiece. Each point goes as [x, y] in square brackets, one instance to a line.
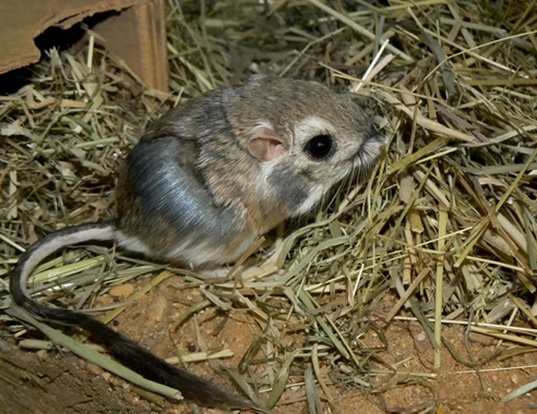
[136, 34]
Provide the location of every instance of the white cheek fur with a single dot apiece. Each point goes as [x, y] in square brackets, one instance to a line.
[313, 198]
[266, 169]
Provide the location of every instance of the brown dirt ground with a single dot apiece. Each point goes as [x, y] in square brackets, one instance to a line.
[54, 382]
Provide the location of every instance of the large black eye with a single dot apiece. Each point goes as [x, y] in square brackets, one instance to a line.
[319, 147]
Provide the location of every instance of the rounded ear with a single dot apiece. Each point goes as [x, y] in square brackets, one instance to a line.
[266, 144]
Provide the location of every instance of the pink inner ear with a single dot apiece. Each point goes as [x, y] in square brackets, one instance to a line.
[266, 144]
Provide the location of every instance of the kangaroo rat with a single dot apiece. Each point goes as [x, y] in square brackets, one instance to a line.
[204, 182]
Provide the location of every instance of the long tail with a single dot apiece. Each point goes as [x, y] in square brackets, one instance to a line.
[128, 352]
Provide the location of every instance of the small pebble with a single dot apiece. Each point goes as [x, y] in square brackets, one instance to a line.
[156, 310]
[42, 354]
[421, 337]
[122, 290]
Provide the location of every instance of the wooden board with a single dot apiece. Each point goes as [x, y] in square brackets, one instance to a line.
[136, 34]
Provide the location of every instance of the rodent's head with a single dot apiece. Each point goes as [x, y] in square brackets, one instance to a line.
[305, 137]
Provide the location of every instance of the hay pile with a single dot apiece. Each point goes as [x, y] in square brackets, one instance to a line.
[448, 220]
